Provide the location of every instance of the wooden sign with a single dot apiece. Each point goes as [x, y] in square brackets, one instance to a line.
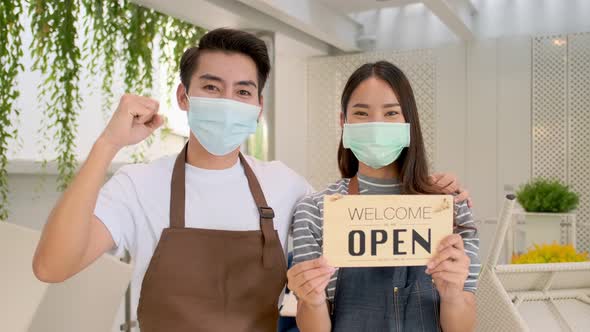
[384, 230]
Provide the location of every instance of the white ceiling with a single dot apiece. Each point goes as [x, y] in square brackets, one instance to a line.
[455, 14]
[353, 6]
[353, 25]
[313, 21]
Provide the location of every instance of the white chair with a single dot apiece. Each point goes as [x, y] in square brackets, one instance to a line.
[20, 291]
[531, 297]
[86, 302]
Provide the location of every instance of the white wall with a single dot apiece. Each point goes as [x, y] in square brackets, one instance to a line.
[291, 101]
[483, 112]
[414, 26]
[451, 110]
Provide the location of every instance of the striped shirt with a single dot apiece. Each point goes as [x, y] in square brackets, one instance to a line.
[308, 223]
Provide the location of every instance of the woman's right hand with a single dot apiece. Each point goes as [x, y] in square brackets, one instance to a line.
[308, 280]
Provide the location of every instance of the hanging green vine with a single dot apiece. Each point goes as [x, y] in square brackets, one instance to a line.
[58, 58]
[140, 33]
[113, 34]
[10, 55]
[108, 24]
[104, 21]
[175, 37]
[144, 27]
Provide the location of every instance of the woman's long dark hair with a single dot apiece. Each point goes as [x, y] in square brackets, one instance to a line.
[412, 162]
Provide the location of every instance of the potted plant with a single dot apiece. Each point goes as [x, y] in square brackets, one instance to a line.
[548, 214]
[547, 196]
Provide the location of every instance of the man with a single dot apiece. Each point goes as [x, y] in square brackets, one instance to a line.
[207, 229]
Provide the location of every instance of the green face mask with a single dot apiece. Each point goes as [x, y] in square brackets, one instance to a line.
[376, 144]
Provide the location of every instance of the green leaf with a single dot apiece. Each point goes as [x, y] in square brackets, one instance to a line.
[542, 195]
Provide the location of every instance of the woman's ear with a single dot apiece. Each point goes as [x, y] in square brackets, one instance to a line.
[181, 97]
[342, 120]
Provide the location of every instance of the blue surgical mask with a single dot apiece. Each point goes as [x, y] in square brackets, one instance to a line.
[376, 144]
[221, 125]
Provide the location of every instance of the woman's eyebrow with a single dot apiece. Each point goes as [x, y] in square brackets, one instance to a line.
[391, 105]
[361, 105]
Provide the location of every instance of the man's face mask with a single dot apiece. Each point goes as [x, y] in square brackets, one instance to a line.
[221, 125]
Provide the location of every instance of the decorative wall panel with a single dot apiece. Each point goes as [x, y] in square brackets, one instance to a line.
[579, 130]
[561, 118]
[549, 102]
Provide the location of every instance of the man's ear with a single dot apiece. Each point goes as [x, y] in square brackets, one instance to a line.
[181, 97]
[261, 99]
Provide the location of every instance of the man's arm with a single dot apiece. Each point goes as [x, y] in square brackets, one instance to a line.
[73, 237]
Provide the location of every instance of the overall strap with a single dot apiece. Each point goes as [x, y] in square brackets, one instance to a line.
[353, 186]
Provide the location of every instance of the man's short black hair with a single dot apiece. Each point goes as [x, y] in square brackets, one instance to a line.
[231, 41]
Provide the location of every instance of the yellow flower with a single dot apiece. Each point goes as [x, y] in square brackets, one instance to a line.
[550, 253]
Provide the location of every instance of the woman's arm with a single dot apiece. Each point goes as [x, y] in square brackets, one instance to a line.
[465, 306]
[308, 280]
[458, 314]
[313, 318]
[310, 274]
[449, 270]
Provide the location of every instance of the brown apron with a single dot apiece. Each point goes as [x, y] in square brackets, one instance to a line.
[213, 280]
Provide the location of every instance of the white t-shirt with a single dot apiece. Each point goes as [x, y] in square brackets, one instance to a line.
[134, 204]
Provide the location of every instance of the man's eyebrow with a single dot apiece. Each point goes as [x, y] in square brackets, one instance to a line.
[248, 82]
[211, 77]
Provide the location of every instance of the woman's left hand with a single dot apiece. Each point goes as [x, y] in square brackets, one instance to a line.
[449, 268]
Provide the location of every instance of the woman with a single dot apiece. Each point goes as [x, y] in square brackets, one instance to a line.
[382, 152]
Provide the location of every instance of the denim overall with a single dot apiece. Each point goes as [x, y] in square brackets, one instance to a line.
[373, 299]
[385, 299]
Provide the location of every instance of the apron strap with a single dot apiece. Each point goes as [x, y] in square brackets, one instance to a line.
[267, 215]
[353, 186]
[177, 190]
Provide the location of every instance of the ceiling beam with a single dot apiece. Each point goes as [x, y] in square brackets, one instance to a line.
[471, 7]
[366, 5]
[450, 17]
[230, 13]
[313, 18]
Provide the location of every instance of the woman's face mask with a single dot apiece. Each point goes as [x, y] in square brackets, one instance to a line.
[376, 144]
[375, 128]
